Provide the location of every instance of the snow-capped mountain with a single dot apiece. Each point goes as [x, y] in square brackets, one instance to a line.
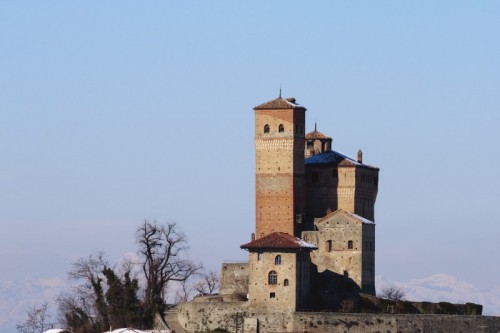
[446, 288]
[17, 297]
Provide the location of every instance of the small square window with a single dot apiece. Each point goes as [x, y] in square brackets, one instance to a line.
[272, 295]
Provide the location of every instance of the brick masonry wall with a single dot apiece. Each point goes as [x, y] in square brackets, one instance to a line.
[279, 170]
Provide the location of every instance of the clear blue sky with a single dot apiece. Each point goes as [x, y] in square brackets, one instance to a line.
[116, 111]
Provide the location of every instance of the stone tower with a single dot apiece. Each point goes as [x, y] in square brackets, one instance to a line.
[279, 167]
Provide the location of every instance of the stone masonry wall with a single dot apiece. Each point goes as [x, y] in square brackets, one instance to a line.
[234, 279]
[238, 317]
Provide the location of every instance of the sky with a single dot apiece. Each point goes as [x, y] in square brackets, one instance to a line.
[119, 111]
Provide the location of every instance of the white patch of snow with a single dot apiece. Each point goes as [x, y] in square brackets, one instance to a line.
[362, 219]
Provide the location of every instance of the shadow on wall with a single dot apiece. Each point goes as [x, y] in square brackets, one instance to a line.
[332, 291]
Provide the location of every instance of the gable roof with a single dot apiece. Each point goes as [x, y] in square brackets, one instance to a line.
[280, 103]
[351, 216]
[279, 240]
[332, 158]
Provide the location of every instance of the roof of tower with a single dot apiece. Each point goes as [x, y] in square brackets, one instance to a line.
[278, 240]
[352, 216]
[280, 103]
[333, 157]
[317, 135]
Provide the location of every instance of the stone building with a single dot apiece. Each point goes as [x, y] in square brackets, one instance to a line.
[279, 270]
[345, 245]
[303, 188]
[313, 249]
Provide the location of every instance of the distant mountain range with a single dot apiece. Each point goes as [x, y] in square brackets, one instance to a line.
[19, 296]
[446, 288]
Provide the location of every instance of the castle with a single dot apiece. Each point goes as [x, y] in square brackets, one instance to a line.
[314, 215]
[313, 251]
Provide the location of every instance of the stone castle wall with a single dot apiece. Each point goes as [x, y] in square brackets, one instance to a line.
[234, 279]
[238, 317]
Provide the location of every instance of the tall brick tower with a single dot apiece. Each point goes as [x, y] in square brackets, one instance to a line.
[279, 167]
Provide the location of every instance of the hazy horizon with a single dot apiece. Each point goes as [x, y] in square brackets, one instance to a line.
[116, 112]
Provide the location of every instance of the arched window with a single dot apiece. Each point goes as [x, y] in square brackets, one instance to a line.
[281, 128]
[272, 277]
[286, 283]
[349, 245]
[266, 128]
[277, 260]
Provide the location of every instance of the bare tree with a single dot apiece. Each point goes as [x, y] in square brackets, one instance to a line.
[36, 320]
[90, 271]
[76, 310]
[162, 249]
[208, 284]
[393, 293]
[184, 293]
[85, 308]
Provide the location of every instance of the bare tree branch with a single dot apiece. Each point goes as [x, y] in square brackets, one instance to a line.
[393, 293]
[36, 320]
[162, 249]
[208, 284]
[87, 304]
[184, 294]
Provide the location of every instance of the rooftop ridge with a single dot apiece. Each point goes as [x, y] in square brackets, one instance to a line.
[279, 103]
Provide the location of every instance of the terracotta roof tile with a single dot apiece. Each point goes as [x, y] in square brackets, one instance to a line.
[278, 240]
[316, 135]
[279, 103]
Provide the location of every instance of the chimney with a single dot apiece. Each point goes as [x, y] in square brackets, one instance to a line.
[360, 156]
[253, 237]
